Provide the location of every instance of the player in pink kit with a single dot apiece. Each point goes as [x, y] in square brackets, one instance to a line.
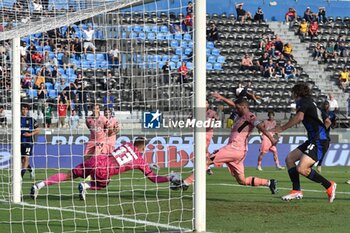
[210, 115]
[112, 130]
[234, 153]
[97, 125]
[102, 167]
[266, 145]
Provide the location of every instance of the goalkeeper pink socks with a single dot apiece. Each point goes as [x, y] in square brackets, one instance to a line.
[55, 179]
[255, 181]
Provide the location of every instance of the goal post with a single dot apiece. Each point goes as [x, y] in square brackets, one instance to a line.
[200, 113]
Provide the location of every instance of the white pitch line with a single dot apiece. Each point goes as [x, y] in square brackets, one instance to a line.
[305, 190]
[103, 215]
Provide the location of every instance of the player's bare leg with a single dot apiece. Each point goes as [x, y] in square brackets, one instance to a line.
[275, 157]
[256, 181]
[261, 155]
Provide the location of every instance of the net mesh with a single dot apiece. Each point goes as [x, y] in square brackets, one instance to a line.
[115, 54]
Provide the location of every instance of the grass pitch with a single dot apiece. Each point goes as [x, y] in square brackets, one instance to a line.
[137, 205]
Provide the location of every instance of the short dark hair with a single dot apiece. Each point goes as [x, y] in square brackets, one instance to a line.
[270, 112]
[242, 101]
[25, 106]
[301, 90]
[140, 141]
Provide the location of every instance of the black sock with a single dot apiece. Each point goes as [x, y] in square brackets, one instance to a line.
[29, 168]
[294, 177]
[23, 172]
[315, 177]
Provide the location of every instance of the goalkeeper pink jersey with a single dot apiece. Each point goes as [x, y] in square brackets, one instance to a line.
[97, 127]
[241, 130]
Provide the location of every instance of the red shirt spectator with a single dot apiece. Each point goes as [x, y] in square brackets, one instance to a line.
[313, 27]
[183, 70]
[27, 81]
[188, 20]
[62, 109]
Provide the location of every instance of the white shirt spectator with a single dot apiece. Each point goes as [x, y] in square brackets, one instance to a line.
[37, 6]
[89, 34]
[114, 52]
[333, 103]
[23, 51]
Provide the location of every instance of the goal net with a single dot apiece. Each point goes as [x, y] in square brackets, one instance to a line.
[133, 59]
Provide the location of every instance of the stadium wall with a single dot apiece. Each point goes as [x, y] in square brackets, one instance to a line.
[65, 151]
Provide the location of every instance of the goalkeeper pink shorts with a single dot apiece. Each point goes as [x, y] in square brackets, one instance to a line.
[267, 146]
[100, 168]
[233, 158]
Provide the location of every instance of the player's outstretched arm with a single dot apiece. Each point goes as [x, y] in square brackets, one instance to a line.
[220, 97]
[262, 129]
[293, 121]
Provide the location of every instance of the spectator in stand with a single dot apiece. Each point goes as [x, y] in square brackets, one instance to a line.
[39, 79]
[3, 119]
[270, 70]
[189, 8]
[340, 46]
[73, 121]
[89, 39]
[27, 81]
[263, 61]
[66, 61]
[333, 103]
[291, 15]
[344, 79]
[270, 47]
[166, 73]
[309, 16]
[31, 50]
[23, 50]
[47, 114]
[109, 101]
[110, 82]
[287, 51]
[213, 33]
[330, 51]
[303, 29]
[42, 96]
[247, 63]
[62, 113]
[76, 48]
[61, 85]
[322, 15]
[81, 95]
[70, 32]
[37, 7]
[280, 64]
[114, 55]
[24, 65]
[289, 70]
[318, 51]
[262, 42]
[188, 22]
[45, 4]
[242, 15]
[259, 15]
[313, 30]
[278, 45]
[183, 72]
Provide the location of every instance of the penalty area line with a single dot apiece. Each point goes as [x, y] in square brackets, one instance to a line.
[304, 190]
[102, 215]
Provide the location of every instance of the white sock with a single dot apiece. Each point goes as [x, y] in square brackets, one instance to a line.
[40, 185]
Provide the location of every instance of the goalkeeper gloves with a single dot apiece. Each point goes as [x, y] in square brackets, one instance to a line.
[176, 182]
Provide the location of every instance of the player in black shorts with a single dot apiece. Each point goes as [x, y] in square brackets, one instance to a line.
[29, 128]
[313, 149]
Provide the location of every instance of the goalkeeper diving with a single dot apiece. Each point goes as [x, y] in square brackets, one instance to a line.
[102, 167]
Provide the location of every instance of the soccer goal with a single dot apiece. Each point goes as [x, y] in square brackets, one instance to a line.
[65, 64]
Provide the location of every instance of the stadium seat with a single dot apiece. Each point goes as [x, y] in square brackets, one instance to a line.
[48, 86]
[164, 29]
[100, 57]
[187, 37]
[151, 36]
[183, 44]
[52, 93]
[32, 93]
[142, 36]
[175, 58]
[178, 37]
[165, 58]
[221, 59]
[174, 44]
[211, 59]
[137, 28]
[209, 66]
[188, 51]
[208, 51]
[90, 57]
[133, 35]
[160, 36]
[154, 28]
[189, 65]
[215, 52]
[210, 45]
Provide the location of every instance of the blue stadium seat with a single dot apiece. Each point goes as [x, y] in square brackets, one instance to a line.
[175, 58]
[154, 28]
[129, 28]
[31, 70]
[72, 78]
[188, 51]
[48, 86]
[59, 56]
[190, 44]
[178, 51]
[124, 35]
[208, 51]
[174, 44]
[169, 36]
[157, 58]
[149, 58]
[32, 93]
[189, 65]
[90, 57]
[161, 64]
[221, 59]
[183, 44]
[215, 52]
[151, 36]
[53, 93]
[133, 35]
[160, 36]
[178, 37]
[211, 59]
[210, 45]
[137, 28]
[165, 58]
[164, 29]
[70, 71]
[172, 65]
[100, 57]
[85, 64]
[146, 28]
[47, 48]
[187, 37]
[209, 66]
[217, 66]
[142, 36]
[39, 48]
